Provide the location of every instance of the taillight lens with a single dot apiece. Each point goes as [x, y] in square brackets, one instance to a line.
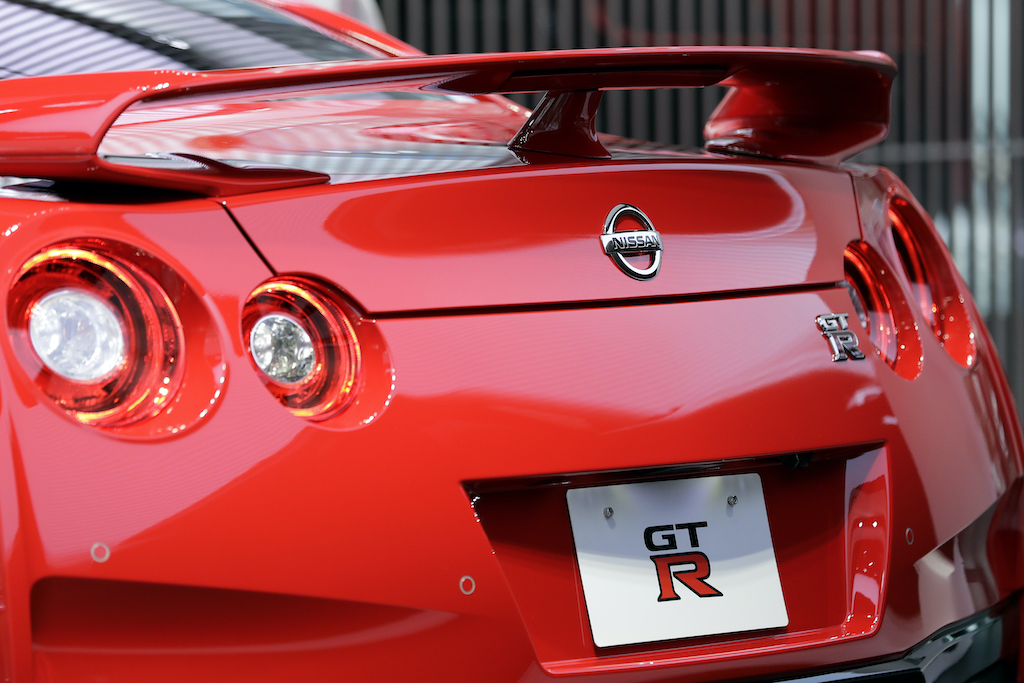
[301, 339]
[882, 310]
[96, 332]
[77, 335]
[933, 281]
[282, 349]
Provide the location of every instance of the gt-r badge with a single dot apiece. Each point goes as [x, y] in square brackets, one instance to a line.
[842, 340]
[689, 568]
[618, 245]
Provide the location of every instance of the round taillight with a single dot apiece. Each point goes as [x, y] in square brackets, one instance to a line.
[96, 332]
[300, 337]
[882, 310]
[933, 281]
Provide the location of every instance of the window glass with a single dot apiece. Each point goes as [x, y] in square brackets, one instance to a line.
[44, 37]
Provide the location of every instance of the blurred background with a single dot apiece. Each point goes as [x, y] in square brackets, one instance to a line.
[957, 134]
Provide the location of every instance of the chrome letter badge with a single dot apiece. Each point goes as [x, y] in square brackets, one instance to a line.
[842, 340]
[632, 242]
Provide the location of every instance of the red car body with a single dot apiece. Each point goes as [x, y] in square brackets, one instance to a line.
[503, 359]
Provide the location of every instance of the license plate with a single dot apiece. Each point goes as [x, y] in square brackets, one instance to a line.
[676, 559]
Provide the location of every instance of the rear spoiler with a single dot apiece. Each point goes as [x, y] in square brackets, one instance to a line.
[811, 106]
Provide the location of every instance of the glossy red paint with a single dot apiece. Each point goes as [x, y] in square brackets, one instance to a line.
[289, 505]
[807, 116]
[727, 225]
[850, 114]
[422, 532]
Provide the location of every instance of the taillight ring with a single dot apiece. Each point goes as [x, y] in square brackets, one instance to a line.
[878, 297]
[332, 381]
[933, 281]
[146, 377]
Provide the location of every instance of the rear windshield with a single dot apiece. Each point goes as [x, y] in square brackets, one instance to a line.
[49, 37]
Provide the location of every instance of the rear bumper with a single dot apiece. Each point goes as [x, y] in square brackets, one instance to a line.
[984, 647]
[263, 548]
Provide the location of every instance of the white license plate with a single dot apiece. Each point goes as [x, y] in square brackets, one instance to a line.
[676, 559]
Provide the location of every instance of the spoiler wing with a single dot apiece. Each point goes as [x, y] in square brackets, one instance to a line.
[812, 106]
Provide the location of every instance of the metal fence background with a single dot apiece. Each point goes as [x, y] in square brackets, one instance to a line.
[957, 135]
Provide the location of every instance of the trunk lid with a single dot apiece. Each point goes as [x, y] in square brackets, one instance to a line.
[532, 235]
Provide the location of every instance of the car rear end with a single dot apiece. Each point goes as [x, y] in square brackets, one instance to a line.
[657, 416]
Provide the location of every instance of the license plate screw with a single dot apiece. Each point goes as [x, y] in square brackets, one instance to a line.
[732, 500]
[608, 512]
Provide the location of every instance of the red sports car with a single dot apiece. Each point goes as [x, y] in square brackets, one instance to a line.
[354, 369]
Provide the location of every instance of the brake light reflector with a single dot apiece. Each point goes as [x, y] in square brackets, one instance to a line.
[300, 337]
[282, 349]
[96, 332]
[76, 335]
[882, 310]
[933, 280]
